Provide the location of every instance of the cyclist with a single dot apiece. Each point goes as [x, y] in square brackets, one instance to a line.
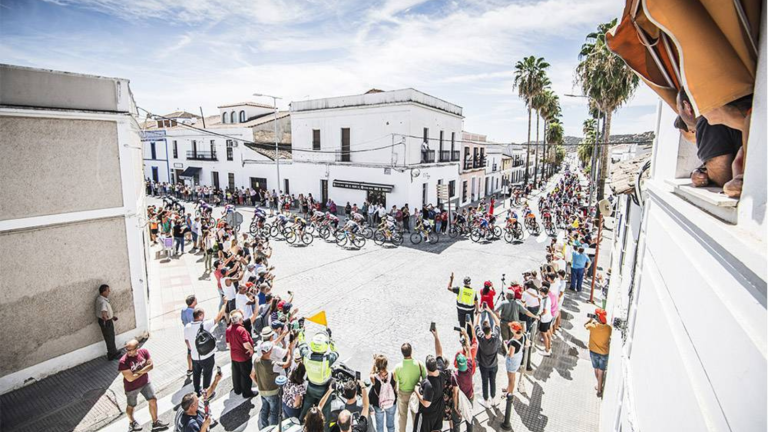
[332, 219]
[357, 217]
[317, 216]
[350, 226]
[299, 223]
[260, 215]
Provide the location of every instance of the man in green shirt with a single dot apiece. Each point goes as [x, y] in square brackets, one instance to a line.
[407, 375]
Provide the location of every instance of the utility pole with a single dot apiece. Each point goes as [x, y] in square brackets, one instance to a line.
[277, 151]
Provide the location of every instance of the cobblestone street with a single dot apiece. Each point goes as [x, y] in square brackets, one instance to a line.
[375, 298]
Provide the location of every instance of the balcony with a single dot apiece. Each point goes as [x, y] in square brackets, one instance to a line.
[445, 155]
[479, 163]
[467, 164]
[201, 155]
[494, 168]
[455, 156]
[427, 156]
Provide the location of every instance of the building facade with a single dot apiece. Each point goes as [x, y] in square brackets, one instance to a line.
[687, 293]
[473, 157]
[79, 231]
[390, 147]
[234, 149]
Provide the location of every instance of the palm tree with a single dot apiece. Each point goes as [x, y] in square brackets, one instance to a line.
[529, 74]
[554, 137]
[608, 81]
[551, 113]
[587, 146]
[539, 102]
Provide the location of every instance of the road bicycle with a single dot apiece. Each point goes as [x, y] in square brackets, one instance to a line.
[549, 227]
[532, 226]
[423, 233]
[458, 229]
[294, 235]
[513, 233]
[343, 237]
[482, 233]
[385, 235]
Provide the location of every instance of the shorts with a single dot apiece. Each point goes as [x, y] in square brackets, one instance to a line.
[428, 423]
[544, 327]
[153, 231]
[513, 363]
[147, 391]
[599, 361]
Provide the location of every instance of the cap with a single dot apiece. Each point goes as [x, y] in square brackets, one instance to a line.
[277, 324]
[265, 346]
[266, 333]
[516, 326]
[487, 283]
[461, 363]
[249, 284]
[287, 307]
[280, 304]
[251, 265]
[602, 315]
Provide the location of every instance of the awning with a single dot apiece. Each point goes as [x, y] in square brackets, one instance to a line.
[707, 46]
[190, 172]
[373, 187]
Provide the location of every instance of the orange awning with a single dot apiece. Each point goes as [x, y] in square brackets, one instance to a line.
[708, 46]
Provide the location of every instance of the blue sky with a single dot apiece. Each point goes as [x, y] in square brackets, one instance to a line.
[185, 54]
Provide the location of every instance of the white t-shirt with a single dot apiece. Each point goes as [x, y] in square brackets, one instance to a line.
[190, 332]
[559, 265]
[546, 304]
[241, 302]
[531, 300]
[229, 291]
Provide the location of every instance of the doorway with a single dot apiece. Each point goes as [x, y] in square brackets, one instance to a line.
[324, 191]
[377, 197]
[215, 176]
[155, 175]
[258, 183]
[424, 193]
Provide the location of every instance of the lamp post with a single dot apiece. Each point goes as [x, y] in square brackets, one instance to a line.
[277, 152]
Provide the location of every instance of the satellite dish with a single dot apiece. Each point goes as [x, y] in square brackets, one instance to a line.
[415, 173]
[606, 209]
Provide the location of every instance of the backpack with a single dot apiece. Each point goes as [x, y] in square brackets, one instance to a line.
[387, 396]
[204, 341]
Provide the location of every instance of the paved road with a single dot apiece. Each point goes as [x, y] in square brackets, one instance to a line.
[376, 298]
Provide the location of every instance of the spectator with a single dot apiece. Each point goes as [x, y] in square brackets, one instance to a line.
[178, 236]
[383, 394]
[187, 316]
[241, 351]
[135, 366]
[487, 294]
[294, 391]
[190, 418]
[511, 310]
[545, 318]
[264, 375]
[346, 420]
[580, 263]
[429, 417]
[488, 341]
[514, 358]
[202, 364]
[407, 375]
[465, 370]
[106, 319]
[348, 209]
[599, 345]
[466, 300]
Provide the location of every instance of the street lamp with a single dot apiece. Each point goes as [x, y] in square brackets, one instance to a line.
[277, 152]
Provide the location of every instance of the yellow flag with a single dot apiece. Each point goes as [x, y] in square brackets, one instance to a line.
[319, 318]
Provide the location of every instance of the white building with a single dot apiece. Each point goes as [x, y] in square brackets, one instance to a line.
[688, 289]
[493, 169]
[217, 151]
[393, 147]
[74, 211]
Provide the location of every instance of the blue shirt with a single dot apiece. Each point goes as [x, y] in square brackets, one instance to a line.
[186, 315]
[579, 260]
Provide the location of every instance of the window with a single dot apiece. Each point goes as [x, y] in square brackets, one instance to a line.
[242, 116]
[441, 141]
[230, 152]
[315, 139]
[175, 149]
[225, 118]
[152, 151]
[231, 180]
[426, 135]
[194, 149]
[453, 142]
[464, 191]
[213, 148]
[155, 176]
[345, 145]
[287, 189]
[452, 188]
[215, 176]
[439, 201]
[424, 193]
[233, 117]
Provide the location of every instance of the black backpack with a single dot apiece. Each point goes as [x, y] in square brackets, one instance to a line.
[204, 341]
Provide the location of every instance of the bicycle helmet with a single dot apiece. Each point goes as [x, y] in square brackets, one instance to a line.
[467, 280]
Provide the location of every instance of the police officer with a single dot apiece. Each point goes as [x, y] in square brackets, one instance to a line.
[466, 300]
[318, 358]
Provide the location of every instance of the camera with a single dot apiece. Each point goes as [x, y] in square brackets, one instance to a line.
[591, 315]
[342, 375]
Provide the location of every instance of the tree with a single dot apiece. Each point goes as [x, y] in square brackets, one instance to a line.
[587, 146]
[608, 82]
[529, 75]
[551, 113]
[539, 102]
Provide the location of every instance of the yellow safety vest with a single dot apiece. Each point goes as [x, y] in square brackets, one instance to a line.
[465, 297]
[318, 369]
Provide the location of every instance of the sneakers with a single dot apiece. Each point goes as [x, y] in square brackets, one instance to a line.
[159, 426]
[134, 426]
[495, 402]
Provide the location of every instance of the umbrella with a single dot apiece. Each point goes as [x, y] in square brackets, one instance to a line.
[707, 46]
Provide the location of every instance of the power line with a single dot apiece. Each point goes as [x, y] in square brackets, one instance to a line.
[533, 144]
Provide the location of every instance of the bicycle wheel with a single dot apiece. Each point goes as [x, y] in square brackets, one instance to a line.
[358, 241]
[434, 237]
[379, 237]
[265, 230]
[367, 232]
[307, 238]
[475, 235]
[416, 238]
[517, 232]
[254, 228]
[341, 238]
[550, 228]
[508, 236]
[536, 229]
[324, 232]
[397, 238]
[275, 231]
[310, 229]
[497, 232]
[291, 236]
[453, 232]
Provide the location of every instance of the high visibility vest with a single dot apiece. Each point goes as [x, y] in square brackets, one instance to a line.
[318, 368]
[465, 297]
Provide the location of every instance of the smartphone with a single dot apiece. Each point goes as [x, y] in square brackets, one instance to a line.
[432, 326]
[458, 329]
[468, 317]
[357, 376]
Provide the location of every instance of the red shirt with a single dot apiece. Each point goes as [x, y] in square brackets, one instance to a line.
[134, 364]
[487, 298]
[237, 336]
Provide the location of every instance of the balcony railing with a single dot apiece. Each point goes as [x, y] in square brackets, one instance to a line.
[467, 163]
[455, 156]
[201, 155]
[445, 155]
[494, 168]
[479, 163]
[427, 156]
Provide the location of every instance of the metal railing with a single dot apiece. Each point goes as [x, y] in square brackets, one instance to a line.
[455, 156]
[201, 155]
[468, 164]
[445, 155]
[427, 156]
[479, 163]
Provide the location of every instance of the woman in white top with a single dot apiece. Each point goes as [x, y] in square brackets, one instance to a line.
[545, 318]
